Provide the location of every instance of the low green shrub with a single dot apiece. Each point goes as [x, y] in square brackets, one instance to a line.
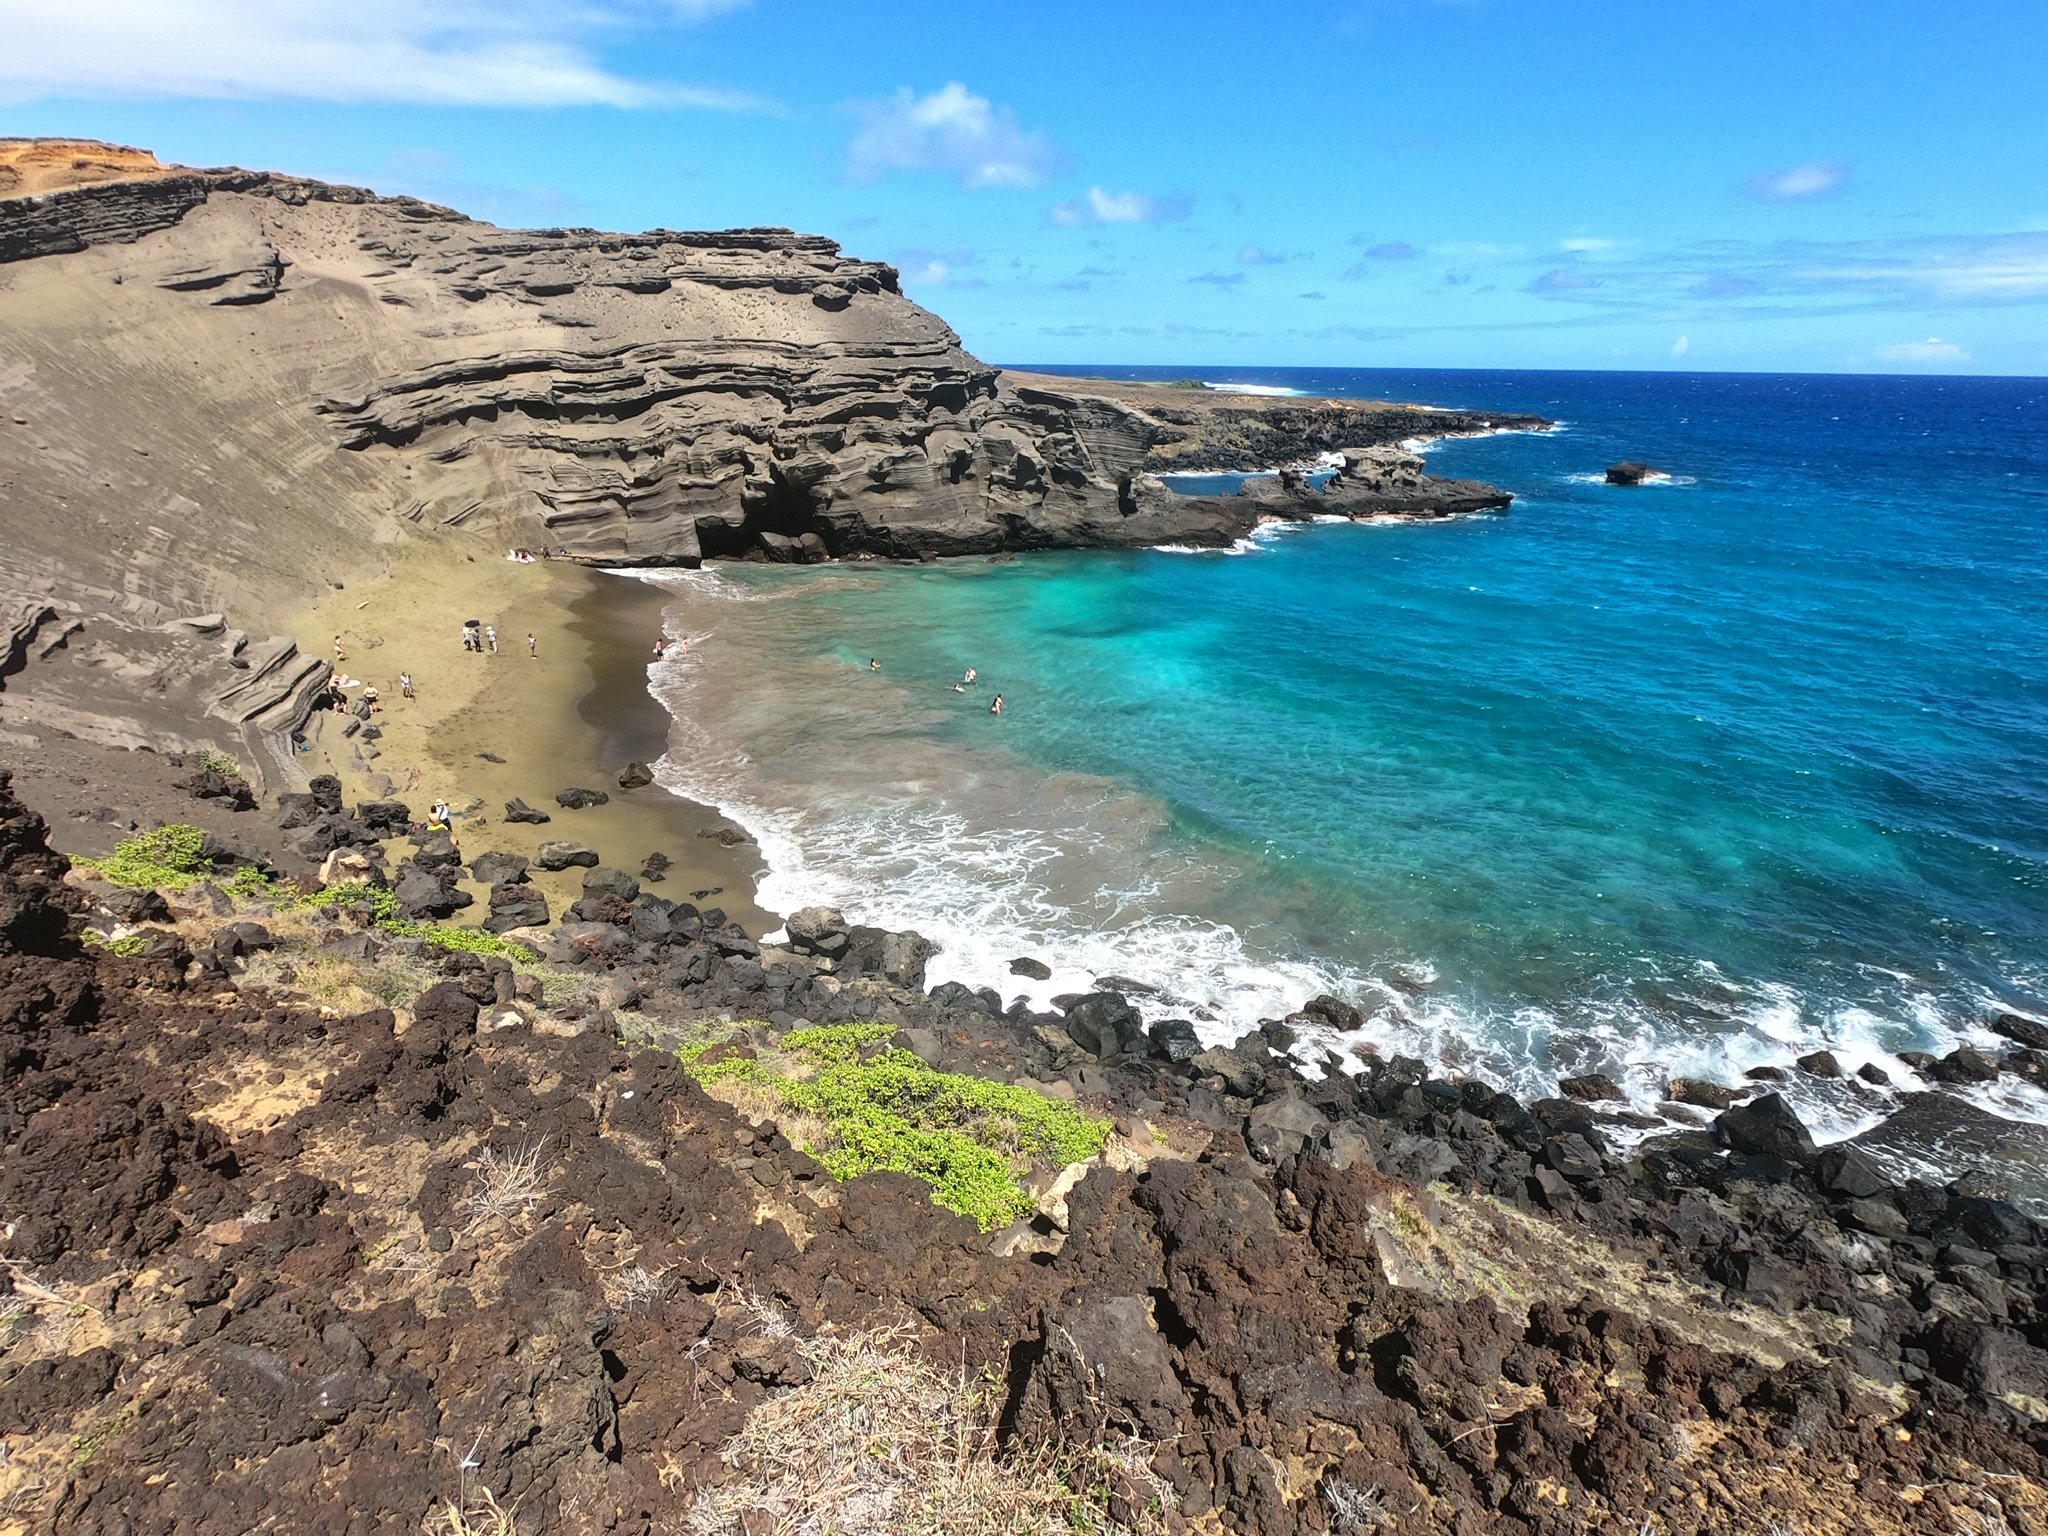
[220, 763]
[167, 859]
[970, 1138]
[129, 944]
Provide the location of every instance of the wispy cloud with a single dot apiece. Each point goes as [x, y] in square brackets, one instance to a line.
[926, 267]
[1587, 245]
[1102, 206]
[1259, 256]
[1681, 346]
[471, 53]
[1219, 279]
[1801, 183]
[1563, 280]
[1933, 350]
[951, 130]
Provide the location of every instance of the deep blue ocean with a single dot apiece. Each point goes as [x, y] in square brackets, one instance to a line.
[1686, 778]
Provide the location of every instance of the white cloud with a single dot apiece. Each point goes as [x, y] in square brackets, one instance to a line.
[527, 53]
[1586, 245]
[1104, 207]
[1801, 183]
[1681, 346]
[1932, 350]
[1259, 256]
[950, 130]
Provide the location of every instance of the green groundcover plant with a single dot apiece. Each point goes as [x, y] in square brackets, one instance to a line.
[880, 1108]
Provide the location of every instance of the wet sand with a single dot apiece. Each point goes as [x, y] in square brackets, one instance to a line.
[575, 714]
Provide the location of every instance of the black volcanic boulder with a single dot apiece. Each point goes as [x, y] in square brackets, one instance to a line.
[325, 789]
[636, 776]
[599, 881]
[1768, 1126]
[1104, 1024]
[557, 856]
[1628, 472]
[1036, 970]
[818, 931]
[516, 906]
[518, 810]
[209, 784]
[1174, 1040]
[1593, 1088]
[436, 850]
[385, 818]
[498, 868]
[581, 799]
[420, 893]
[2021, 1030]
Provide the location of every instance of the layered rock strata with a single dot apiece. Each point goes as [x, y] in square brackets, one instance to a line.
[223, 391]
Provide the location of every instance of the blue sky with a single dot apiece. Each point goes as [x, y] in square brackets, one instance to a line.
[1828, 185]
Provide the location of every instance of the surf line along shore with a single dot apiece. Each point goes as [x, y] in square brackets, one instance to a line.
[482, 729]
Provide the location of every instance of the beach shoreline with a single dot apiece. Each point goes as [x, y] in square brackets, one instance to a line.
[484, 729]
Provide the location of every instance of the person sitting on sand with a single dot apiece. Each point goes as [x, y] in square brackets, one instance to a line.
[997, 707]
[438, 816]
[339, 653]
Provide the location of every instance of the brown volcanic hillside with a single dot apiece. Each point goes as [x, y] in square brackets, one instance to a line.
[224, 392]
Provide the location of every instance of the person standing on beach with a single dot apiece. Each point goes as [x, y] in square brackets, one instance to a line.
[339, 655]
[532, 648]
[491, 637]
[405, 685]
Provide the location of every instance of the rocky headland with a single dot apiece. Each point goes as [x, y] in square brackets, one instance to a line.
[227, 393]
[510, 1177]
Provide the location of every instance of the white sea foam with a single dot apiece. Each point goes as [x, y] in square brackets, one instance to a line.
[996, 876]
[1278, 391]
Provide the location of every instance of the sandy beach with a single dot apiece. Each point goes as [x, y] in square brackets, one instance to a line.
[483, 729]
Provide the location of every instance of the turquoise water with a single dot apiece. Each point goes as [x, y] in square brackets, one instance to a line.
[1692, 776]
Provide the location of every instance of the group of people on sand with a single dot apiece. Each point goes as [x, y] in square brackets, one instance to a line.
[995, 705]
[483, 640]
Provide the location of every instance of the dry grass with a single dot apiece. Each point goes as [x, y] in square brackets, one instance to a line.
[882, 1443]
[481, 1515]
[1355, 1511]
[508, 1185]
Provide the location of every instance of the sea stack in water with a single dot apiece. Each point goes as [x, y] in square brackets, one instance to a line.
[1628, 472]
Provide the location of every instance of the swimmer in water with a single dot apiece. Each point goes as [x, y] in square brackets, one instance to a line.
[874, 665]
[968, 681]
[997, 707]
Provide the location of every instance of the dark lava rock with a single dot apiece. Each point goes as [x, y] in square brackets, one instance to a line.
[1174, 1039]
[1849, 1172]
[599, 881]
[1964, 1065]
[1766, 1074]
[655, 866]
[1574, 1157]
[1334, 1012]
[1875, 1075]
[210, 785]
[519, 810]
[1037, 970]
[818, 931]
[1820, 1064]
[636, 776]
[1690, 1090]
[558, 856]
[2021, 1030]
[325, 789]
[385, 818]
[136, 906]
[422, 894]
[436, 850]
[1769, 1127]
[1103, 1023]
[516, 906]
[1628, 472]
[581, 799]
[1594, 1087]
[498, 868]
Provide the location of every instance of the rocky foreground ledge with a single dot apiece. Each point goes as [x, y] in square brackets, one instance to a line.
[304, 1208]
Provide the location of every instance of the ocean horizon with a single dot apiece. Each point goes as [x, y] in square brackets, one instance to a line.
[1673, 780]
